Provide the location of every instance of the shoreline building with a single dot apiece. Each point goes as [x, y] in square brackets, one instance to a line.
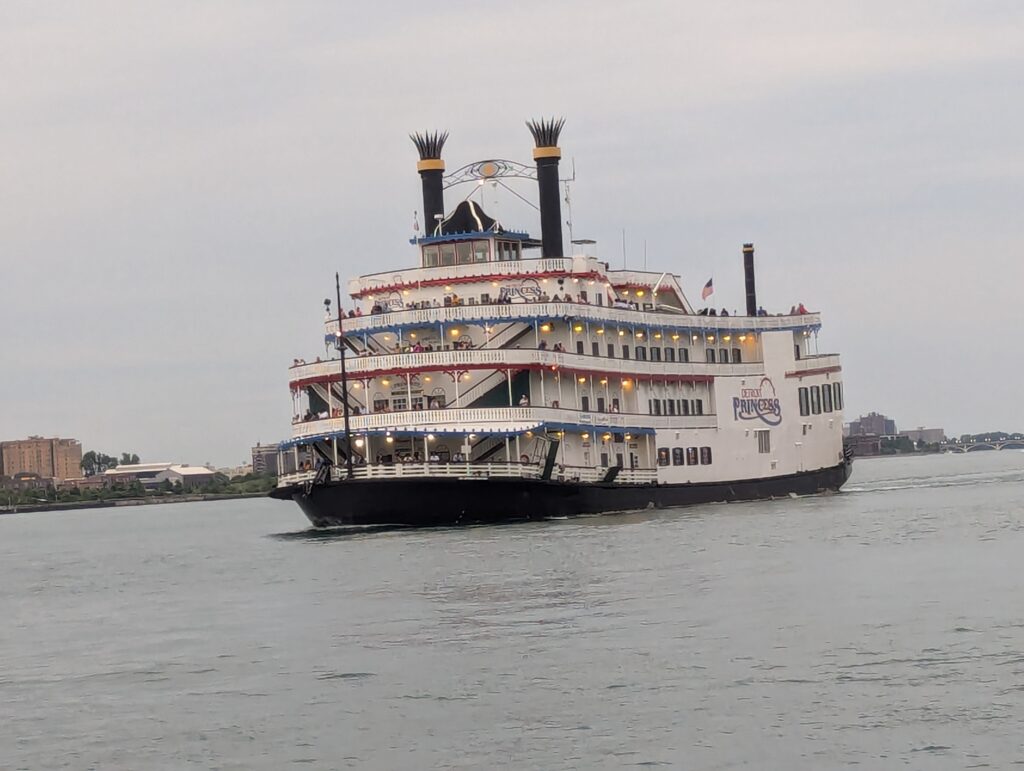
[47, 458]
[152, 475]
[872, 424]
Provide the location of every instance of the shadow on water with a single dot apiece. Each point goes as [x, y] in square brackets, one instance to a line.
[314, 534]
[608, 519]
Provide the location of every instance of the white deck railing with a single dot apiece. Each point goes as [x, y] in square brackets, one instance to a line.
[391, 279]
[515, 358]
[484, 420]
[474, 471]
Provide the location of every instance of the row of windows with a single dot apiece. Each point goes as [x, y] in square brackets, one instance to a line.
[815, 400]
[641, 352]
[723, 355]
[682, 355]
[675, 406]
[466, 252]
[601, 404]
[680, 456]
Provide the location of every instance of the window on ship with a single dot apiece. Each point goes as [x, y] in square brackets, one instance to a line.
[447, 254]
[826, 397]
[431, 256]
[805, 402]
[711, 355]
[816, 400]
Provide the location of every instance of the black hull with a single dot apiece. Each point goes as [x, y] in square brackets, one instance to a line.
[427, 502]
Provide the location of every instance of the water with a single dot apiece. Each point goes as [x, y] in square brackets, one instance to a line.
[883, 627]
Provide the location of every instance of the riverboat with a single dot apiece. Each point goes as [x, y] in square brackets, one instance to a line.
[500, 379]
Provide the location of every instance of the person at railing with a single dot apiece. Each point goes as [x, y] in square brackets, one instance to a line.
[568, 298]
[555, 298]
[435, 458]
[418, 348]
[524, 401]
[801, 310]
[542, 345]
[724, 312]
[558, 348]
[761, 311]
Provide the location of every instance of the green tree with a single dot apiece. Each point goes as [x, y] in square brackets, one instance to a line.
[128, 459]
[89, 463]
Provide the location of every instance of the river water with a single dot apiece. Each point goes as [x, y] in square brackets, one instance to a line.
[880, 628]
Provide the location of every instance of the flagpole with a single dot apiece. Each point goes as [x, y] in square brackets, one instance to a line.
[344, 383]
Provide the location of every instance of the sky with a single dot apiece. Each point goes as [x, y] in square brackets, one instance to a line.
[180, 181]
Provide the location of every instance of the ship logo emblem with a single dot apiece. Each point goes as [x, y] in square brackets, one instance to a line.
[759, 403]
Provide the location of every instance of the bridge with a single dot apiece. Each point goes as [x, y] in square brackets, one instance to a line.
[979, 445]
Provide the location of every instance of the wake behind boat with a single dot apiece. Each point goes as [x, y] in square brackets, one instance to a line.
[500, 380]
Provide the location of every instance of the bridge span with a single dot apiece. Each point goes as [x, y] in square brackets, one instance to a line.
[981, 446]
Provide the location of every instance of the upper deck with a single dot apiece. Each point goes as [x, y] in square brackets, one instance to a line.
[594, 314]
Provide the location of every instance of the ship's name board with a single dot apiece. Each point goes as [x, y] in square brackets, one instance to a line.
[758, 403]
[529, 290]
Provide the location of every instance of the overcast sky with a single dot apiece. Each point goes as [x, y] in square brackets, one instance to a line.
[179, 182]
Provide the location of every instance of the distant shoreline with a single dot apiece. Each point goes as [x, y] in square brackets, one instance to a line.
[121, 502]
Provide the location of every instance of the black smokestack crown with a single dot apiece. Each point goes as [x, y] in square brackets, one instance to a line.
[748, 276]
[431, 168]
[547, 154]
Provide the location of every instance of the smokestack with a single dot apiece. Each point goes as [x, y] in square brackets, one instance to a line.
[547, 154]
[431, 169]
[748, 276]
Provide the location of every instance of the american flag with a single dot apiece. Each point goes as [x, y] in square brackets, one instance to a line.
[708, 290]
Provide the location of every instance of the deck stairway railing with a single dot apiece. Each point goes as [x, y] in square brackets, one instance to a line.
[508, 335]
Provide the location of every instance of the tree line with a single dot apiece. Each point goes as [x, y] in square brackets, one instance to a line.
[97, 462]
